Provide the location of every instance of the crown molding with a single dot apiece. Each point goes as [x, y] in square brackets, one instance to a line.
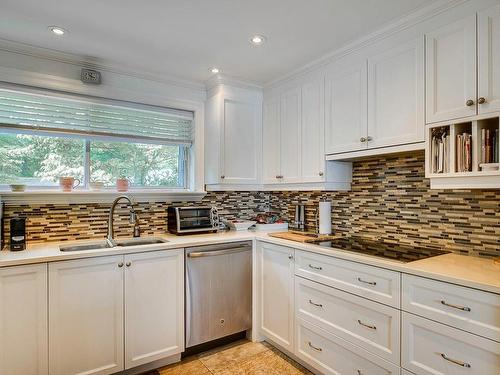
[224, 79]
[94, 63]
[418, 16]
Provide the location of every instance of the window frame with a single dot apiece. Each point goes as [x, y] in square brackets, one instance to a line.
[184, 152]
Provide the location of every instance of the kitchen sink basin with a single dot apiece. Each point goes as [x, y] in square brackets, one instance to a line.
[95, 245]
[140, 241]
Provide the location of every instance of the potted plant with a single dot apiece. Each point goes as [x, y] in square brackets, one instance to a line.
[122, 183]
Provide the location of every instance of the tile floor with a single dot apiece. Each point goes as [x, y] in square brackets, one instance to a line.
[239, 358]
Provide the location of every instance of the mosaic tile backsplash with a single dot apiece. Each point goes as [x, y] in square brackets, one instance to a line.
[390, 200]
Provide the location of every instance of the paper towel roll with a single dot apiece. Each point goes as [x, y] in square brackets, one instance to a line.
[325, 217]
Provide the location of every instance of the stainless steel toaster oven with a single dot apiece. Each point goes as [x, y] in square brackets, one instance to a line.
[194, 219]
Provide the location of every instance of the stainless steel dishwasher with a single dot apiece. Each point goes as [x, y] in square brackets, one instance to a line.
[218, 291]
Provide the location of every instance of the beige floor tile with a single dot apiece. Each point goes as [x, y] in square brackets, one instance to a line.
[271, 362]
[231, 355]
[188, 366]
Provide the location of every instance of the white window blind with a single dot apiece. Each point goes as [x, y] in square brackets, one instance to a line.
[94, 117]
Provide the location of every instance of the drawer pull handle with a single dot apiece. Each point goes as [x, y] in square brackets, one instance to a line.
[315, 267]
[463, 308]
[315, 304]
[460, 363]
[367, 282]
[366, 325]
[359, 372]
[314, 347]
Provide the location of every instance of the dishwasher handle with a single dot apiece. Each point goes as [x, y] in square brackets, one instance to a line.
[211, 253]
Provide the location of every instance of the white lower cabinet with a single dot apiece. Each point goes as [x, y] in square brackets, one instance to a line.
[431, 348]
[112, 313]
[368, 324]
[154, 306]
[86, 316]
[276, 292]
[340, 328]
[23, 320]
[333, 355]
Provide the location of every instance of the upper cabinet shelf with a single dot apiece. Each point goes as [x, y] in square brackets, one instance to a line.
[464, 154]
[457, 87]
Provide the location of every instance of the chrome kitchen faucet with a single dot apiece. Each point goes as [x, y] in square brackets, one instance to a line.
[133, 220]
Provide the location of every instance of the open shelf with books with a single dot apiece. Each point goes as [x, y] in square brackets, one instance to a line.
[464, 154]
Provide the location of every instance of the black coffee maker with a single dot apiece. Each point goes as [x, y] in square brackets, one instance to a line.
[17, 234]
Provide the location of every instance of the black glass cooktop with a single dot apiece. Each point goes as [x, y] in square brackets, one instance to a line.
[388, 250]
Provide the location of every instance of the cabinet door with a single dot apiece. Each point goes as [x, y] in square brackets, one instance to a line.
[346, 108]
[489, 60]
[240, 151]
[451, 71]
[23, 320]
[290, 136]
[271, 141]
[395, 95]
[276, 293]
[313, 131]
[154, 306]
[86, 316]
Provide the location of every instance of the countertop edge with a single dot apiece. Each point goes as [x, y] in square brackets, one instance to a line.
[49, 252]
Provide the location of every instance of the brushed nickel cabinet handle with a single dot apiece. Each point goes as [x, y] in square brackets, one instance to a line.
[463, 308]
[367, 282]
[320, 173]
[315, 347]
[315, 267]
[290, 256]
[315, 304]
[469, 103]
[120, 264]
[455, 361]
[369, 139]
[366, 325]
[481, 100]
[362, 139]
[222, 177]
[128, 264]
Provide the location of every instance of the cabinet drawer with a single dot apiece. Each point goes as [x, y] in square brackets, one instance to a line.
[468, 309]
[431, 348]
[372, 326]
[330, 354]
[375, 283]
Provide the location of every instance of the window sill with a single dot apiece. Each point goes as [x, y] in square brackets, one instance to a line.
[101, 196]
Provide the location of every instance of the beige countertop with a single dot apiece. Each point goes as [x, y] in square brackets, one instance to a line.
[479, 273]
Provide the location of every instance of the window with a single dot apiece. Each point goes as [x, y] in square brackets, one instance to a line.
[44, 137]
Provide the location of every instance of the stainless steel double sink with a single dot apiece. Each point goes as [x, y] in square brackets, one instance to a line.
[95, 245]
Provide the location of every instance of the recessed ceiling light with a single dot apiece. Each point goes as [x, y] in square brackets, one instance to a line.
[215, 70]
[258, 40]
[57, 30]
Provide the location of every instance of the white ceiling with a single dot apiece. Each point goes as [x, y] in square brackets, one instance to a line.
[184, 38]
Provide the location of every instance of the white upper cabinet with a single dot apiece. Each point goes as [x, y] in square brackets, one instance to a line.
[86, 325]
[489, 60]
[290, 150]
[233, 136]
[451, 71]
[23, 320]
[395, 95]
[271, 141]
[154, 306]
[240, 140]
[313, 130]
[346, 108]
